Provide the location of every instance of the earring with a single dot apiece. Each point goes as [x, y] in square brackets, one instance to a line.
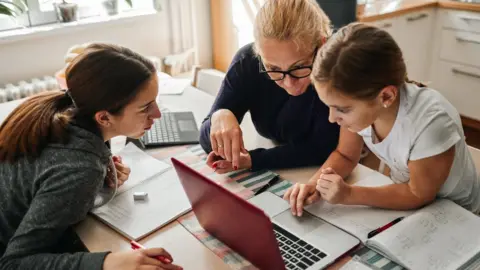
[385, 106]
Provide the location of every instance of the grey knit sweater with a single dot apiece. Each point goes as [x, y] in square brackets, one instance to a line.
[41, 200]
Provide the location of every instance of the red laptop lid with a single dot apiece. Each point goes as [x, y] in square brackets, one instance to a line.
[234, 221]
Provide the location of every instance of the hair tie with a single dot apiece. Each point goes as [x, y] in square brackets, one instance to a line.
[68, 95]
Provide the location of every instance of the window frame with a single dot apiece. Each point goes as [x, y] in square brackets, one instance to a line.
[35, 16]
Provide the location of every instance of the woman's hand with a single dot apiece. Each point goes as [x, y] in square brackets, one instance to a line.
[332, 187]
[123, 171]
[222, 166]
[139, 260]
[226, 137]
[300, 195]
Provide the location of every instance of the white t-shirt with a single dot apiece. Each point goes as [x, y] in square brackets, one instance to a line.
[428, 125]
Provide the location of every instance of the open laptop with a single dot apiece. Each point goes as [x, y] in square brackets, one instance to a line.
[263, 230]
[173, 128]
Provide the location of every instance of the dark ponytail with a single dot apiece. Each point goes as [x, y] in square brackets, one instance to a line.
[419, 84]
[39, 120]
[103, 77]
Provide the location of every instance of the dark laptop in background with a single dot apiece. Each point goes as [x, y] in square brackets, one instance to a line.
[173, 128]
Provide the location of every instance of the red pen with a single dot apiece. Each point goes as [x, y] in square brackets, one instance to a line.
[161, 258]
[383, 228]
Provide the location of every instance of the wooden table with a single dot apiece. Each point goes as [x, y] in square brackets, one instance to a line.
[184, 247]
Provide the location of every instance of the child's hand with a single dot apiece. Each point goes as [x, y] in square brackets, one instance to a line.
[332, 187]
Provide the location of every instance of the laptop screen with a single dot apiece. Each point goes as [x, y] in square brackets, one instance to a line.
[234, 221]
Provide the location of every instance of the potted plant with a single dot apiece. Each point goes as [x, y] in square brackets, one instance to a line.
[111, 6]
[12, 8]
[67, 12]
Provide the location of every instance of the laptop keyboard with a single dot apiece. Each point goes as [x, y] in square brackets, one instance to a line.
[164, 130]
[297, 254]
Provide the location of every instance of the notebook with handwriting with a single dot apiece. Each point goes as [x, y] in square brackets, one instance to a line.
[442, 235]
[358, 220]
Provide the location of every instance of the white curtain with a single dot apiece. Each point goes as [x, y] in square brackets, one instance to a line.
[182, 42]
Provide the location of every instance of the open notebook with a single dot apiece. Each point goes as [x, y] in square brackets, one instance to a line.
[165, 202]
[442, 235]
[358, 220]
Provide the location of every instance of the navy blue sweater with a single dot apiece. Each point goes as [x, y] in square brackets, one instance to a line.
[300, 124]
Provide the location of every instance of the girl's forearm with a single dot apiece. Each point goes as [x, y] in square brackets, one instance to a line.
[339, 163]
[394, 196]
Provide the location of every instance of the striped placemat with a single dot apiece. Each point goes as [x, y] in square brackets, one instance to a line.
[243, 183]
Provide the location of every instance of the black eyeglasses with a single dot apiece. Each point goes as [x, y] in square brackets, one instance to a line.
[297, 72]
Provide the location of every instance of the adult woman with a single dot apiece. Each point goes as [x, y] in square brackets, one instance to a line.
[54, 161]
[270, 78]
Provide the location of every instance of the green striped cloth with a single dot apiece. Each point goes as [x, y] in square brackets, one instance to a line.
[245, 183]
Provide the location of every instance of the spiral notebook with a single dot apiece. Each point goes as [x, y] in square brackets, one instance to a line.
[442, 235]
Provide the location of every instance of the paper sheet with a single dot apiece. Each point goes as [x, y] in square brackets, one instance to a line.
[165, 202]
[442, 235]
[356, 219]
[172, 86]
[142, 166]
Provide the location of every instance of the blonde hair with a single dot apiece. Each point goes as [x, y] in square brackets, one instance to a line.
[302, 21]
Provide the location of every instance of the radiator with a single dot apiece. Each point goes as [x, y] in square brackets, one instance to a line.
[25, 89]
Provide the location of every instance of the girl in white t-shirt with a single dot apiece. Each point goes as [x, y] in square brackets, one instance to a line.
[361, 75]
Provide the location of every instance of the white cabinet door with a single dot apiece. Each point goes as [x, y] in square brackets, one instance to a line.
[390, 25]
[413, 33]
[461, 20]
[415, 40]
[460, 84]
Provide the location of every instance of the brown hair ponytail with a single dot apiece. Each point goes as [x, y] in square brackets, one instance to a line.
[360, 60]
[103, 77]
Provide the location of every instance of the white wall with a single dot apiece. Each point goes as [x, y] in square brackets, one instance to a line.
[148, 35]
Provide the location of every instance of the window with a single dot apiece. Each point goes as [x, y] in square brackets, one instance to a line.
[43, 11]
[7, 22]
[243, 19]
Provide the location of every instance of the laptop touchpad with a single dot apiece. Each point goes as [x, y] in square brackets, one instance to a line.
[186, 125]
[300, 226]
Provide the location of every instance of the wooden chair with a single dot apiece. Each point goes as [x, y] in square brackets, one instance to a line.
[177, 64]
[207, 80]
[476, 156]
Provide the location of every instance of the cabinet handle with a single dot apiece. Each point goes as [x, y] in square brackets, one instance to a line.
[466, 73]
[469, 18]
[416, 18]
[386, 25]
[470, 40]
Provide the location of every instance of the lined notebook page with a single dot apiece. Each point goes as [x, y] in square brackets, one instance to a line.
[355, 219]
[142, 166]
[135, 219]
[442, 235]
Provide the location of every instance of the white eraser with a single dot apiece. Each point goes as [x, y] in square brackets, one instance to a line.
[140, 196]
